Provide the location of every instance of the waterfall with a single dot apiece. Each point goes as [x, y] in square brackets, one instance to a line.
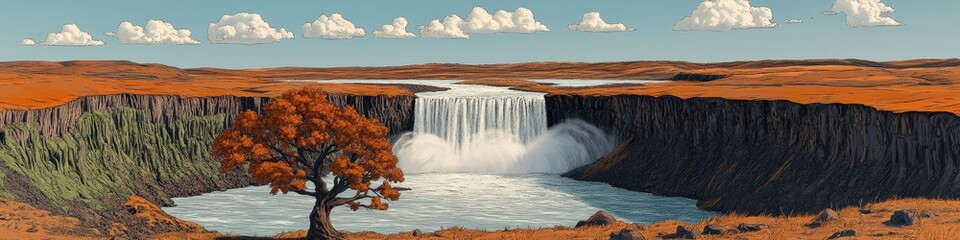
[459, 119]
[472, 128]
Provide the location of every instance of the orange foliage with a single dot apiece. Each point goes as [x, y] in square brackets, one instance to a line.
[302, 137]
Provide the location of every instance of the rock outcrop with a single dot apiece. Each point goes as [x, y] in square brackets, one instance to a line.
[903, 218]
[600, 218]
[774, 157]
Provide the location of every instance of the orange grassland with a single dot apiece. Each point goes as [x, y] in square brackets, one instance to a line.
[903, 86]
[16, 218]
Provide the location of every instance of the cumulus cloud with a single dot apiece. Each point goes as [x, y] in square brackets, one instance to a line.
[793, 20]
[865, 13]
[592, 22]
[480, 21]
[245, 28]
[71, 35]
[395, 30]
[156, 32]
[519, 21]
[332, 27]
[449, 28]
[26, 42]
[723, 15]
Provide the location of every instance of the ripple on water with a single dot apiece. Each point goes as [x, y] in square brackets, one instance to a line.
[481, 201]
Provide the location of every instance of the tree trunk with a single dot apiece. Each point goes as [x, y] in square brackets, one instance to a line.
[320, 227]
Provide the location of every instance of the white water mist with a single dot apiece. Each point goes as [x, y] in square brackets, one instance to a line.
[487, 129]
[566, 146]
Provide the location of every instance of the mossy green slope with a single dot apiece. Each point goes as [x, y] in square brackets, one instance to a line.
[112, 153]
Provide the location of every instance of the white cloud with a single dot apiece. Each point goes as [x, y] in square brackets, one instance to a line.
[480, 21]
[332, 27]
[723, 15]
[395, 30]
[245, 28]
[592, 22]
[70, 35]
[156, 32]
[793, 20]
[519, 21]
[865, 13]
[26, 42]
[449, 28]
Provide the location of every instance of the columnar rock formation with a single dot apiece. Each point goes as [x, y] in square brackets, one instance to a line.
[87, 156]
[772, 157]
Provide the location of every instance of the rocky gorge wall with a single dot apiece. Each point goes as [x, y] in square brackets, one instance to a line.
[85, 157]
[774, 157]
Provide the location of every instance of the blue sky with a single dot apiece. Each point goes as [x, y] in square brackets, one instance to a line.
[930, 30]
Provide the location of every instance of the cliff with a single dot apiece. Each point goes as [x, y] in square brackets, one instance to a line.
[85, 157]
[774, 157]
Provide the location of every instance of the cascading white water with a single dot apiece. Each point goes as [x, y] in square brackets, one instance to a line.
[458, 119]
[472, 128]
[488, 129]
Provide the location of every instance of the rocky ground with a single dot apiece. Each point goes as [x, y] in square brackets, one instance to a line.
[895, 219]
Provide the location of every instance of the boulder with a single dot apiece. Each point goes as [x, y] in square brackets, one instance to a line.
[600, 218]
[627, 234]
[682, 233]
[844, 233]
[903, 218]
[824, 216]
[714, 230]
[743, 227]
[636, 226]
[417, 233]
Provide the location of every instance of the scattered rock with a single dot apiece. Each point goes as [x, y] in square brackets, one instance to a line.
[903, 218]
[743, 227]
[824, 216]
[844, 233]
[927, 214]
[627, 234]
[635, 226]
[4, 217]
[881, 234]
[33, 228]
[714, 230]
[682, 233]
[600, 218]
[417, 233]
[866, 211]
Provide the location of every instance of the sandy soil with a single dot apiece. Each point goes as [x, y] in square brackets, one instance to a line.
[917, 85]
[22, 221]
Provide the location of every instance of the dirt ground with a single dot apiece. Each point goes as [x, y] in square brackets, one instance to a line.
[916, 85]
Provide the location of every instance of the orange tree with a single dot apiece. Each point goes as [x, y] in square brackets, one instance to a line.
[302, 137]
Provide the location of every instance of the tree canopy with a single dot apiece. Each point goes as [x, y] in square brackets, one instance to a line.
[302, 137]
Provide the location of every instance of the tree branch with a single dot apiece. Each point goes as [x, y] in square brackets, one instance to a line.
[342, 201]
[305, 192]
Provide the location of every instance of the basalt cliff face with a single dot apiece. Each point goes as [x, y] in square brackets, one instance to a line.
[773, 157]
[86, 157]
